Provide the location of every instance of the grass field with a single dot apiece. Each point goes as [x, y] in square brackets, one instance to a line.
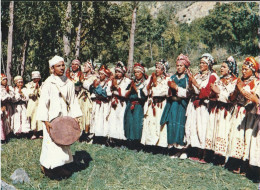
[101, 167]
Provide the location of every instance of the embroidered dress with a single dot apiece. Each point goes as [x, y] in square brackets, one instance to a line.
[134, 113]
[254, 156]
[100, 97]
[34, 95]
[197, 111]
[244, 126]
[20, 121]
[174, 114]
[153, 133]
[221, 115]
[117, 110]
[52, 105]
[6, 100]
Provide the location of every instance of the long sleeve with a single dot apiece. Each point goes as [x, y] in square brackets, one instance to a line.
[44, 104]
[75, 110]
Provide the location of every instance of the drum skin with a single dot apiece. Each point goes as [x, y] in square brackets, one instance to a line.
[65, 130]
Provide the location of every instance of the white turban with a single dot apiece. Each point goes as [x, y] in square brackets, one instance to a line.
[56, 59]
[36, 75]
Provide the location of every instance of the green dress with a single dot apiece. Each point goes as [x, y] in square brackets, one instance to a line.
[134, 114]
[174, 113]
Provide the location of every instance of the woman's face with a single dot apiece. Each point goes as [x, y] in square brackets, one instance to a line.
[246, 72]
[4, 82]
[118, 74]
[75, 67]
[203, 66]
[224, 70]
[180, 68]
[19, 84]
[138, 74]
[158, 71]
[86, 68]
[36, 80]
[102, 76]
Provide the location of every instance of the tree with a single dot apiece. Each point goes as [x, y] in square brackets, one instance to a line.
[77, 48]
[67, 33]
[132, 40]
[10, 42]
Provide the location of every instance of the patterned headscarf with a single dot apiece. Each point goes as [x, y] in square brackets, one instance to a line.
[139, 67]
[3, 76]
[164, 65]
[120, 67]
[184, 60]
[207, 58]
[89, 64]
[76, 61]
[252, 64]
[105, 71]
[232, 65]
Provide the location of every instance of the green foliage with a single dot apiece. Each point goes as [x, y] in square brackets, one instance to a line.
[100, 167]
[230, 28]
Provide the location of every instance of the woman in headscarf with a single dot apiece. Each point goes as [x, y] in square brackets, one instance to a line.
[89, 75]
[197, 111]
[134, 112]
[118, 104]
[156, 88]
[174, 112]
[34, 90]
[100, 96]
[245, 119]
[218, 130]
[7, 94]
[20, 122]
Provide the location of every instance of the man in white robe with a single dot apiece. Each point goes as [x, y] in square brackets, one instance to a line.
[51, 106]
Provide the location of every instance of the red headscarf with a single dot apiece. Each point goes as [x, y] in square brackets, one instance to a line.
[183, 59]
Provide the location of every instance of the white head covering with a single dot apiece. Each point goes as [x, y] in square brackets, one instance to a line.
[56, 59]
[36, 75]
[17, 79]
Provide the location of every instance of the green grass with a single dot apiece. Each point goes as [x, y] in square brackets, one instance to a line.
[116, 168]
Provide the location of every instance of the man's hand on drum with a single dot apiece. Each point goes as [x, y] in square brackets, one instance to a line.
[48, 126]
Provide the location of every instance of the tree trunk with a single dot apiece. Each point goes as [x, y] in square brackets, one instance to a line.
[10, 42]
[77, 48]
[67, 34]
[25, 45]
[131, 44]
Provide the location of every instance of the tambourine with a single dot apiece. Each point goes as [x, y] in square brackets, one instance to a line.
[65, 130]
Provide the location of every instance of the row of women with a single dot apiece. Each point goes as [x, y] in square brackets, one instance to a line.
[203, 112]
[19, 107]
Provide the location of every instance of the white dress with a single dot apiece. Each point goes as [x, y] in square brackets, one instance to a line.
[20, 121]
[117, 112]
[153, 133]
[219, 129]
[198, 116]
[100, 97]
[32, 105]
[244, 132]
[52, 105]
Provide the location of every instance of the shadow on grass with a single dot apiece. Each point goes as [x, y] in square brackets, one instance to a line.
[81, 161]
